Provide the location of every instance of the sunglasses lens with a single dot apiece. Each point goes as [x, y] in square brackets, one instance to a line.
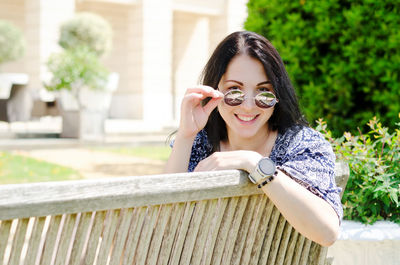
[265, 100]
[234, 98]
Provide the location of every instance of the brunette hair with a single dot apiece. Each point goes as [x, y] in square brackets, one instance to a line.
[286, 113]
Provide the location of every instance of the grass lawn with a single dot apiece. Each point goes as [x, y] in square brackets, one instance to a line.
[20, 169]
[152, 152]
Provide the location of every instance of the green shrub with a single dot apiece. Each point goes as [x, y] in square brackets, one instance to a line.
[75, 68]
[86, 29]
[373, 190]
[12, 42]
[343, 56]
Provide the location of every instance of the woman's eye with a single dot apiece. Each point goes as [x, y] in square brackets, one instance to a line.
[264, 89]
[233, 88]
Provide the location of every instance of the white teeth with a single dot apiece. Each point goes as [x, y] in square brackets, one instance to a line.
[246, 118]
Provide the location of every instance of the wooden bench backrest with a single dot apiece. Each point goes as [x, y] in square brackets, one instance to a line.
[203, 218]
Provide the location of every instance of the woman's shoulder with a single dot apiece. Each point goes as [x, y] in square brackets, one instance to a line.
[297, 139]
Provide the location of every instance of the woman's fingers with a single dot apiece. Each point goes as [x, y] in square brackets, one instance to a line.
[207, 91]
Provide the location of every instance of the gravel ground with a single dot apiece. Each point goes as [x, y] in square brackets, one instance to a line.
[97, 164]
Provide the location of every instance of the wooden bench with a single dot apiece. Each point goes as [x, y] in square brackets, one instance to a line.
[197, 218]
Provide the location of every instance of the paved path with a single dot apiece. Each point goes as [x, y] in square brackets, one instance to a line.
[97, 164]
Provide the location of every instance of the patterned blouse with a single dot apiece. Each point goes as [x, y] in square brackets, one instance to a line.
[303, 154]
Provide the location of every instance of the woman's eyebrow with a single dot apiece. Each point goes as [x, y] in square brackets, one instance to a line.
[264, 83]
[240, 83]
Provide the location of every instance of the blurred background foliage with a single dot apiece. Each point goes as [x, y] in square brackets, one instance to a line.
[12, 42]
[343, 56]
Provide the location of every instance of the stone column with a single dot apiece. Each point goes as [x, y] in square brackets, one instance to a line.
[156, 54]
[43, 19]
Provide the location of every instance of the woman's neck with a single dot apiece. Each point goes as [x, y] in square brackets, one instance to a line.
[262, 142]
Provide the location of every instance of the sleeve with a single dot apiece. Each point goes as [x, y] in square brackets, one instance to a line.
[310, 161]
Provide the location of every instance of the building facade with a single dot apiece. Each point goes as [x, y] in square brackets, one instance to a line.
[159, 46]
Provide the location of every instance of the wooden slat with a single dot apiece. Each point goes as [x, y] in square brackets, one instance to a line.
[94, 237]
[276, 241]
[18, 241]
[305, 252]
[270, 233]
[284, 241]
[156, 240]
[200, 246]
[298, 249]
[227, 219]
[34, 241]
[4, 235]
[193, 231]
[261, 232]
[291, 247]
[170, 233]
[183, 228]
[212, 235]
[51, 237]
[317, 255]
[110, 226]
[253, 229]
[65, 239]
[233, 231]
[145, 237]
[121, 235]
[80, 238]
[134, 234]
[244, 229]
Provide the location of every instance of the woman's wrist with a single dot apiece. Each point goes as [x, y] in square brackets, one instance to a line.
[251, 161]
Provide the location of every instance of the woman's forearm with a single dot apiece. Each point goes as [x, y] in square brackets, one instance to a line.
[178, 161]
[307, 213]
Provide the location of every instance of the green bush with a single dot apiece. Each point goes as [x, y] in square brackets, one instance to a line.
[373, 190]
[75, 68]
[343, 56]
[86, 29]
[12, 42]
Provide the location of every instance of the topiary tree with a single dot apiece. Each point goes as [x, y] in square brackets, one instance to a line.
[84, 38]
[12, 42]
[86, 29]
[343, 56]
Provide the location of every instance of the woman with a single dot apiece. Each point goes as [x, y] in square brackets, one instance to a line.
[246, 116]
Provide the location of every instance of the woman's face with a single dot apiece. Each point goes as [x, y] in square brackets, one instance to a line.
[246, 120]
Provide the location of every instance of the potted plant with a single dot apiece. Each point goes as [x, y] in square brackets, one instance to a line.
[83, 83]
[15, 102]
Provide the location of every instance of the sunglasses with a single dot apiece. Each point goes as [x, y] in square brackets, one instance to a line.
[263, 100]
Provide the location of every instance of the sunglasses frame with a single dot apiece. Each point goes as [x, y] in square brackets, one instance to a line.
[258, 103]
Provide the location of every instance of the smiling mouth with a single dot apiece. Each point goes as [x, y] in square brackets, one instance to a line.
[246, 118]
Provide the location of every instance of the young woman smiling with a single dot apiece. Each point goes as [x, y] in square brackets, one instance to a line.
[245, 115]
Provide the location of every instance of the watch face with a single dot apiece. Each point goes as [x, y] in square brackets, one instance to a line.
[267, 166]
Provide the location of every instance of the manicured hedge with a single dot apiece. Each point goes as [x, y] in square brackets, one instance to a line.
[343, 56]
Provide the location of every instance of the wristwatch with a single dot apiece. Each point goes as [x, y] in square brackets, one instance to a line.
[264, 172]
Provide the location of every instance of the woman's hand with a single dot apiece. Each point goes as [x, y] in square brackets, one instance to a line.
[246, 160]
[194, 116]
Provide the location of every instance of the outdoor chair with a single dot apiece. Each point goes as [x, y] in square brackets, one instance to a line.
[189, 218]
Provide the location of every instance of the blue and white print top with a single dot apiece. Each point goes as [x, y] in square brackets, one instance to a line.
[303, 154]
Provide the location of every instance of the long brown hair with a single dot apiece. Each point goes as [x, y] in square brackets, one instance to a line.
[286, 114]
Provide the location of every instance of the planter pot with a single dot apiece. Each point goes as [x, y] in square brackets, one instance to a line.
[367, 244]
[15, 97]
[87, 120]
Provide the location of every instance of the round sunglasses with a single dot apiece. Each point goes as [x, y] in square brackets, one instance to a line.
[262, 100]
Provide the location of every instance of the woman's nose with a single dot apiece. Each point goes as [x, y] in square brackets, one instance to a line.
[248, 102]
